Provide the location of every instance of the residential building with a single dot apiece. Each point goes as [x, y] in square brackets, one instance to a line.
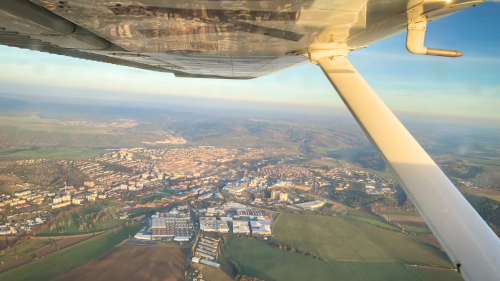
[283, 197]
[275, 194]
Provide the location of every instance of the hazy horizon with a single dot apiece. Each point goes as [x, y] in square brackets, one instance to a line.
[255, 110]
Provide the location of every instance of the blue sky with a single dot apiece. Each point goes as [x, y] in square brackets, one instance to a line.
[468, 86]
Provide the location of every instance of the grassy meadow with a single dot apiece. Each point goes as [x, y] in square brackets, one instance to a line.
[488, 193]
[347, 239]
[26, 247]
[262, 261]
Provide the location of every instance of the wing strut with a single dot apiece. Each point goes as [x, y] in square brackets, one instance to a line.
[471, 245]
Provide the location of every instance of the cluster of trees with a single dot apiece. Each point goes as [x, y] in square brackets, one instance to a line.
[371, 160]
[239, 276]
[52, 224]
[271, 243]
[384, 202]
[488, 209]
[484, 176]
[292, 250]
[490, 177]
[85, 222]
[48, 173]
[459, 169]
[117, 168]
[60, 226]
[88, 221]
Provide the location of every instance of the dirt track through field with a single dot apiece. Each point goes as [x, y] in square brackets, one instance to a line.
[133, 263]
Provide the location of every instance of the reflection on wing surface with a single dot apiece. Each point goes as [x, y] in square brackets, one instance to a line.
[214, 39]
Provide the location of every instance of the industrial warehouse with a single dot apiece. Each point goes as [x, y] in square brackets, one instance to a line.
[213, 224]
[207, 250]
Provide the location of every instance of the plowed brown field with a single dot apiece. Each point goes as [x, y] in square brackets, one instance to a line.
[133, 263]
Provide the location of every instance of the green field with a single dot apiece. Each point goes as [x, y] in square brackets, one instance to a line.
[262, 261]
[143, 210]
[345, 239]
[362, 214]
[323, 150]
[153, 197]
[56, 264]
[35, 131]
[165, 191]
[488, 193]
[87, 217]
[415, 229]
[140, 211]
[26, 247]
[160, 193]
[436, 274]
[374, 222]
[494, 162]
[61, 153]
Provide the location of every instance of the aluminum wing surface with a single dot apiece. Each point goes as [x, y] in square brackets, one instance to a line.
[208, 39]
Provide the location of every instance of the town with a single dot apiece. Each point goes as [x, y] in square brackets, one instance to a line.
[195, 175]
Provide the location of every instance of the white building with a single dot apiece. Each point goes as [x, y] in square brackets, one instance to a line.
[275, 194]
[234, 206]
[310, 205]
[213, 224]
[261, 226]
[222, 226]
[234, 189]
[283, 197]
[241, 227]
[208, 224]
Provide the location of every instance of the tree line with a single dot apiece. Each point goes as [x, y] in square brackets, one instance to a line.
[271, 243]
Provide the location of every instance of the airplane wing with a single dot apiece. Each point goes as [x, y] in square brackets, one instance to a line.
[208, 39]
[246, 39]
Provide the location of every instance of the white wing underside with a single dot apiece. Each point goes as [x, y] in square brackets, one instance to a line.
[209, 39]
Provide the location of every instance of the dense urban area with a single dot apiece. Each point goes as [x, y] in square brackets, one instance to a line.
[200, 199]
[200, 176]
